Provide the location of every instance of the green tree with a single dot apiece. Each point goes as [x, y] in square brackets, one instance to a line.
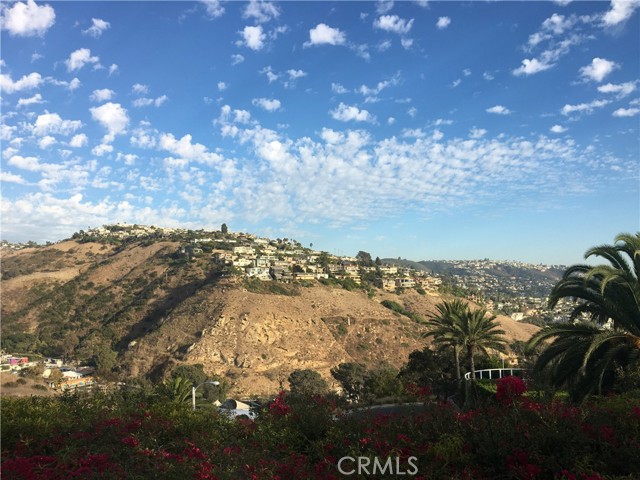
[382, 382]
[428, 368]
[224, 229]
[585, 356]
[364, 258]
[307, 382]
[443, 329]
[462, 329]
[352, 377]
[176, 390]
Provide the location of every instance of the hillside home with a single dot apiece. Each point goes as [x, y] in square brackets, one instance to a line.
[405, 282]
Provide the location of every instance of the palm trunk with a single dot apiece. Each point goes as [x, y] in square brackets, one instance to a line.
[456, 354]
[472, 362]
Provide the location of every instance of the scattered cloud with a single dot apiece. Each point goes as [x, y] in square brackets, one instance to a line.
[443, 22]
[145, 102]
[476, 133]
[213, 8]
[26, 82]
[79, 59]
[584, 107]
[36, 99]
[621, 90]
[46, 142]
[102, 95]
[531, 66]
[222, 86]
[236, 59]
[393, 23]
[621, 11]
[348, 113]
[113, 68]
[270, 105]
[97, 28]
[626, 112]
[112, 117]
[325, 35]
[52, 123]
[338, 88]
[78, 141]
[28, 19]
[261, 11]
[140, 89]
[499, 110]
[383, 6]
[252, 37]
[558, 129]
[488, 76]
[598, 69]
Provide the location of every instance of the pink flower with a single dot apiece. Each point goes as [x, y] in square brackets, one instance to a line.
[510, 389]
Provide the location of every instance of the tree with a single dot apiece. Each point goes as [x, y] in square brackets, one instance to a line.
[307, 383]
[585, 356]
[224, 229]
[352, 377]
[444, 331]
[364, 258]
[428, 368]
[462, 329]
[176, 389]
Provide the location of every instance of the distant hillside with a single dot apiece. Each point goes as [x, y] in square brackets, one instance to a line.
[143, 307]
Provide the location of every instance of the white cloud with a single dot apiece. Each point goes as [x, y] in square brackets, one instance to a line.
[222, 86]
[78, 141]
[213, 8]
[380, 86]
[443, 22]
[325, 35]
[621, 90]
[456, 82]
[476, 133]
[270, 105]
[100, 150]
[36, 56]
[558, 24]
[113, 68]
[558, 129]
[112, 117]
[412, 112]
[23, 102]
[391, 121]
[102, 95]
[347, 113]
[599, 68]
[28, 19]
[140, 89]
[338, 88]
[26, 82]
[236, 59]
[261, 11]
[383, 6]
[52, 123]
[499, 110]
[626, 112]
[488, 76]
[185, 149]
[295, 74]
[12, 178]
[584, 107]
[79, 59]
[393, 23]
[97, 28]
[413, 133]
[562, 3]
[531, 67]
[466, 72]
[145, 101]
[74, 84]
[45, 142]
[31, 164]
[621, 11]
[252, 37]
[406, 43]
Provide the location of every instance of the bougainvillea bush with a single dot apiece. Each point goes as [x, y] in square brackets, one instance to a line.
[111, 436]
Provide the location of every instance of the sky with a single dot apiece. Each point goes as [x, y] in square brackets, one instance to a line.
[413, 129]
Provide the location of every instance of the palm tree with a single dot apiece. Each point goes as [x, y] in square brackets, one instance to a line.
[443, 328]
[458, 327]
[584, 355]
[480, 332]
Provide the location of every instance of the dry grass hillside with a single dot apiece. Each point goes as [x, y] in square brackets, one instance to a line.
[148, 310]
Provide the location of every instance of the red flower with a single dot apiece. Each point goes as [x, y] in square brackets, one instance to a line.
[510, 389]
[279, 407]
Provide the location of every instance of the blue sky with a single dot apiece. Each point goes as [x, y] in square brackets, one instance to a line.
[427, 130]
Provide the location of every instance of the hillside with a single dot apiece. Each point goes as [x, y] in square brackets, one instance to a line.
[142, 307]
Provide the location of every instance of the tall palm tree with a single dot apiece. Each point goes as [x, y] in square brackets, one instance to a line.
[585, 354]
[479, 332]
[443, 328]
[460, 328]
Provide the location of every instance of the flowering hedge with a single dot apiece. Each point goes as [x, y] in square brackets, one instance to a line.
[110, 437]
